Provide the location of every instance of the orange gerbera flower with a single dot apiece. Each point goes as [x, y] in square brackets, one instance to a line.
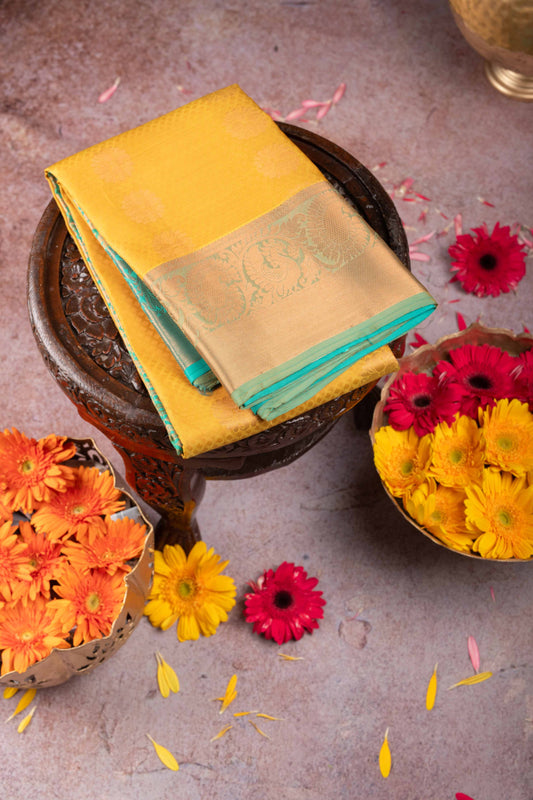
[79, 510]
[15, 569]
[90, 603]
[31, 469]
[45, 559]
[27, 634]
[123, 540]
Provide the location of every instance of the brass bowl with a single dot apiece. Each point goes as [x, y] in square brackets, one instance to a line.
[502, 32]
[61, 664]
[423, 360]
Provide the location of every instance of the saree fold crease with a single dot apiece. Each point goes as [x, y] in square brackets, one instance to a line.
[245, 287]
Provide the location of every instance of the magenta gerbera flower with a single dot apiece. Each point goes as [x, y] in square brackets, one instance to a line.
[484, 372]
[284, 604]
[488, 263]
[422, 401]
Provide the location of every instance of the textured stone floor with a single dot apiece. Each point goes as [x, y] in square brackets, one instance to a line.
[417, 106]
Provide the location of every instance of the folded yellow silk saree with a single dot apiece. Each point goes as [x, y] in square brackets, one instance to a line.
[225, 256]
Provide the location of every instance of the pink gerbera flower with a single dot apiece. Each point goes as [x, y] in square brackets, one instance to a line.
[284, 604]
[422, 401]
[484, 372]
[488, 263]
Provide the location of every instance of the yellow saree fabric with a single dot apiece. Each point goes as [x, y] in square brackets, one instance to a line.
[195, 227]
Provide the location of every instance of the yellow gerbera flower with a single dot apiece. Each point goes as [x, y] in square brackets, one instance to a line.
[191, 590]
[508, 432]
[458, 453]
[500, 513]
[440, 510]
[401, 458]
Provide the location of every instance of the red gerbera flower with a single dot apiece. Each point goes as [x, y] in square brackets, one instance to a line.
[284, 603]
[524, 378]
[484, 372]
[422, 401]
[488, 263]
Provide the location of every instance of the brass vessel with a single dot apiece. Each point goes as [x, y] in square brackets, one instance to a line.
[501, 31]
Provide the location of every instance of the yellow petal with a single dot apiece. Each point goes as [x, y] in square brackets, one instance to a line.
[23, 703]
[230, 693]
[23, 724]
[222, 732]
[164, 755]
[172, 678]
[244, 713]
[267, 716]
[431, 690]
[385, 760]
[166, 677]
[258, 729]
[10, 691]
[286, 657]
[481, 676]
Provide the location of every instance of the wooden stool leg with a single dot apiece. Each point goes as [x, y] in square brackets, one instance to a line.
[173, 490]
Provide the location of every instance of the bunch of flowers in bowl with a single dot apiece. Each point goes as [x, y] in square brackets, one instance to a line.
[75, 559]
[453, 442]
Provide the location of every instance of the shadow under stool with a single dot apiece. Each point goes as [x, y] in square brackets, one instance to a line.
[85, 354]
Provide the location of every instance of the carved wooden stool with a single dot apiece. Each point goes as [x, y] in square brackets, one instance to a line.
[86, 356]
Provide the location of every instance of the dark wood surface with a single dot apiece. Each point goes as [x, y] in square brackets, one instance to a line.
[87, 357]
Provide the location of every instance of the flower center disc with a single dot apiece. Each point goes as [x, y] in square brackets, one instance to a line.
[480, 382]
[504, 517]
[93, 601]
[26, 466]
[488, 261]
[185, 589]
[27, 636]
[422, 400]
[505, 442]
[79, 509]
[283, 599]
[406, 467]
[456, 456]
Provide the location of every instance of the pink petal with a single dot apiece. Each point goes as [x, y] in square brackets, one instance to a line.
[425, 238]
[419, 257]
[409, 199]
[298, 113]
[272, 113]
[324, 110]
[339, 92]
[423, 197]
[109, 92]
[473, 652]
[311, 103]
[486, 202]
[526, 329]
[454, 301]
[423, 215]
[461, 324]
[458, 223]
[462, 796]
[492, 594]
